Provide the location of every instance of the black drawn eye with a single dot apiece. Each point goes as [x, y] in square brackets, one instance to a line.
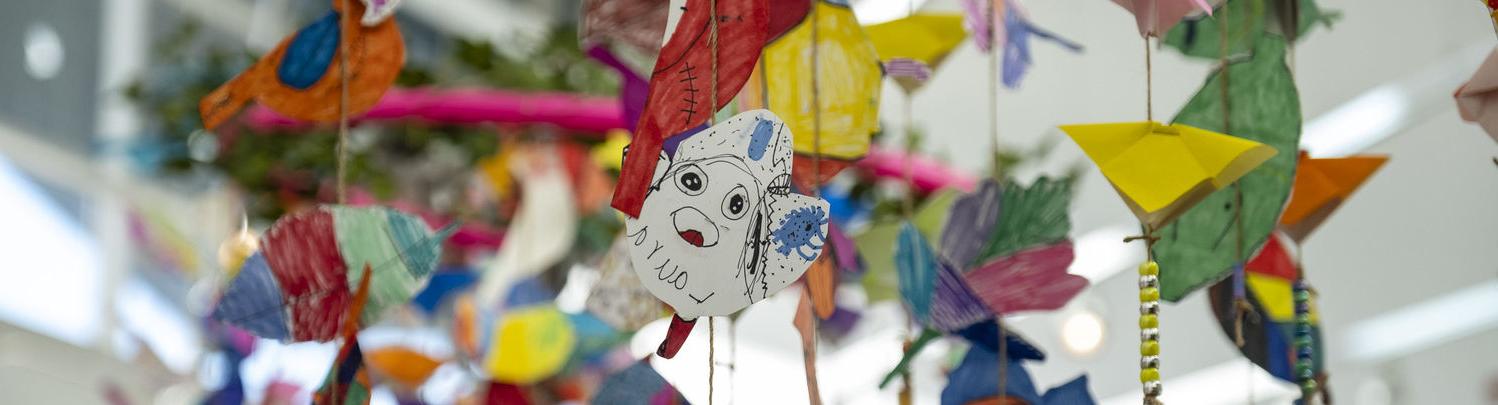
[736, 203]
[691, 180]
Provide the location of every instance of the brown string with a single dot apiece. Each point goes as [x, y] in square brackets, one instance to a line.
[712, 41]
[1149, 83]
[711, 368]
[342, 148]
[816, 102]
[909, 205]
[993, 86]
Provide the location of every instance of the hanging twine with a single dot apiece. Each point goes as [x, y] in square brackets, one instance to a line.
[342, 148]
[1149, 83]
[712, 119]
[993, 125]
[816, 102]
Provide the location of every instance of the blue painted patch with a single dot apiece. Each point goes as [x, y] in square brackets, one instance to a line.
[675, 140]
[445, 284]
[310, 53]
[760, 140]
[801, 232]
[253, 301]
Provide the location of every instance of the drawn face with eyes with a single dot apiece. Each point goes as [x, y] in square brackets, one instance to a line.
[720, 229]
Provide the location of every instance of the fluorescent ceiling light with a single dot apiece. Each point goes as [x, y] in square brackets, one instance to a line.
[1390, 108]
[1426, 324]
[1230, 382]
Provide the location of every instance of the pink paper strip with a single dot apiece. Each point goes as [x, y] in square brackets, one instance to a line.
[929, 175]
[572, 112]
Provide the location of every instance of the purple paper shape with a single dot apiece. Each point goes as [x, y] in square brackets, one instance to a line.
[845, 253]
[969, 224]
[954, 306]
[633, 89]
[1033, 279]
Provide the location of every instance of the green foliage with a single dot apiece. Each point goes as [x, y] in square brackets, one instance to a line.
[1029, 216]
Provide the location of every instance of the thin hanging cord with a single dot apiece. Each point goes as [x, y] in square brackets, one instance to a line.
[1149, 83]
[993, 124]
[342, 149]
[993, 86]
[712, 119]
[816, 102]
[711, 348]
[712, 41]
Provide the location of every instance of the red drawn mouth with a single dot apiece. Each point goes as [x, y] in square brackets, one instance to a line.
[691, 236]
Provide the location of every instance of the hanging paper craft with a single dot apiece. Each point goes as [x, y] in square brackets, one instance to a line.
[1477, 99]
[1022, 266]
[1268, 337]
[879, 240]
[1161, 170]
[845, 90]
[1248, 21]
[1014, 32]
[1201, 247]
[1321, 185]
[405, 367]
[916, 267]
[972, 383]
[633, 89]
[348, 381]
[309, 261]
[618, 298]
[684, 79]
[983, 334]
[637, 384]
[925, 37]
[301, 77]
[720, 227]
[543, 230]
[1155, 17]
[637, 23]
[529, 345]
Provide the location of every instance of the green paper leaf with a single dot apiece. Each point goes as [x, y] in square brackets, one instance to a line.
[1199, 248]
[919, 344]
[1029, 216]
[877, 246]
[1248, 21]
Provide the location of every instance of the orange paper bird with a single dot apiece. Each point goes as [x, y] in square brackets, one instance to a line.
[301, 77]
[1321, 185]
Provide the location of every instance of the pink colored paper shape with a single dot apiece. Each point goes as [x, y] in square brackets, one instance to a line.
[1034, 279]
[473, 106]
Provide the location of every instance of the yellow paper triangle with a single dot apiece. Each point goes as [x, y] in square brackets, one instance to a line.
[926, 37]
[1162, 170]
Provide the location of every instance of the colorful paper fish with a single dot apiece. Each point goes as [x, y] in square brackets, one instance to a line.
[309, 263]
[1268, 338]
[301, 77]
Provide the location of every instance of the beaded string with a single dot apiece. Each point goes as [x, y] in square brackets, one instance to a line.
[1149, 319]
[1305, 362]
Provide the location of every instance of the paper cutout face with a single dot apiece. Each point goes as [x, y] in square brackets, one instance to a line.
[719, 228]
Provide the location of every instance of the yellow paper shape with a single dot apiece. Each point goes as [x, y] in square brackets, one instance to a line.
[610, 153]
[1277, 297]
[531, 344]
[926, 37]
[847, 84]
[1162, 170]
[1321, 185]
[406, 367]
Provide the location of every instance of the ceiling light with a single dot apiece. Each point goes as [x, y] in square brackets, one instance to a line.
[1082, 333]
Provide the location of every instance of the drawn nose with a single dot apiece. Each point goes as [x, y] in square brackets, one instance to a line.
[694, 227]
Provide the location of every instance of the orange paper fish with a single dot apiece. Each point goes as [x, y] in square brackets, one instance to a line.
[301, 78]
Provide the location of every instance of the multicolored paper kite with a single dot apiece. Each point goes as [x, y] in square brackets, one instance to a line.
[301, 77]
[311, 261]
